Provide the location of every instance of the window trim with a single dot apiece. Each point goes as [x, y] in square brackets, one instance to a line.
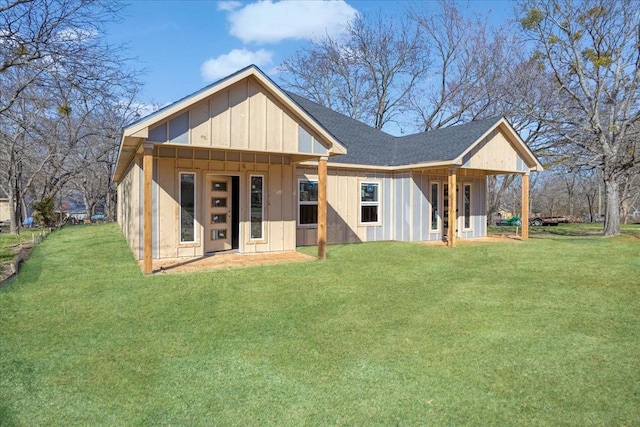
[195, 208]
[261, 238]
[464, 210]
[305, 203]
[378, 203]
[438, 207]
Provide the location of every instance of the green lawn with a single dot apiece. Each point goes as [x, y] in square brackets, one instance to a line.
[545, 332]
[10, 244]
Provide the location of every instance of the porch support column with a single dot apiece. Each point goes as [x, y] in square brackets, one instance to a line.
[525, 206]
[453, 208]
[147, 220]
[322, 208]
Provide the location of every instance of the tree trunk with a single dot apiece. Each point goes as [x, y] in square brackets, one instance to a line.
[591, 203]
[24, 212]
[612, 207]
[13, 212]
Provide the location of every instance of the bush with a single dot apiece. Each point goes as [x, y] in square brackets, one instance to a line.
[43, 212]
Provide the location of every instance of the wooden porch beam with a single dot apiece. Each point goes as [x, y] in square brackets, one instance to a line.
[322, 208]
[525, 206]
[147, 219]
[453, 208]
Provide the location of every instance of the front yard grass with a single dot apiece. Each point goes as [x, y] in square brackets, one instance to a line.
[10, 246]
[516, 333]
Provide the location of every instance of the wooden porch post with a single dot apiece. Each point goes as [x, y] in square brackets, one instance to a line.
[322, 208]
[147, 220]
[453, 208]
[525, 206]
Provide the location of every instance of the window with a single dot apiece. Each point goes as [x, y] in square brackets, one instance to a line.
[308, 202]
[369, 202]
[466, 205]
[434, 206]
[257, 207]
[187, 207]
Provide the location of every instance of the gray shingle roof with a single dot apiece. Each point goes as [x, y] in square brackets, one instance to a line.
[368, 146]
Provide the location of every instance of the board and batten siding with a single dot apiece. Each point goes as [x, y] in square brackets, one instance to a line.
[279, 219]
[405, 207]
[244, 117]
[279, 213]
[422, 204]
[402, 198]
[343, 210]
[384, 231]
[130, 208]
[496, 153]
[478, 208]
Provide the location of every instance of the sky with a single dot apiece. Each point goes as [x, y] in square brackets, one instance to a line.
[183, 46]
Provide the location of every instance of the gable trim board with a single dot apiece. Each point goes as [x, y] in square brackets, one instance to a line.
[245, 125]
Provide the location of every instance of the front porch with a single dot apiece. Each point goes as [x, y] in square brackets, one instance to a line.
[222, 260]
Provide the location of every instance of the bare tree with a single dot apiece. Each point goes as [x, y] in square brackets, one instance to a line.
[95, 161]
[38, 34]
[591, 51]
[475, 73]
[55, 71]
[459, 70]
[366, 75]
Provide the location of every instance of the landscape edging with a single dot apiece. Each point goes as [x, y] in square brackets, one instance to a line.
[22, 256]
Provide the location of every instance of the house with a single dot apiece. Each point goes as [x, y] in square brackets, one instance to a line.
[5, 212]
[243, 165]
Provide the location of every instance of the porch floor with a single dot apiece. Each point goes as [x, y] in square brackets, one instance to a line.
[226, 260]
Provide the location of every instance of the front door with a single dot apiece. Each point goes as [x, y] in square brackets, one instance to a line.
[219, 221]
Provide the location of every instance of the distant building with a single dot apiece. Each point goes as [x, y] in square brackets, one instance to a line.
[5, 212]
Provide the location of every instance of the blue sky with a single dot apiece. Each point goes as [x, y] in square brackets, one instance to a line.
[185, 45]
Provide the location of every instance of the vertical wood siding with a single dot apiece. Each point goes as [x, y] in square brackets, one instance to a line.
[405, 207]
[497, 153]
[402, 206]
[242, 117]
[129, 212]
[279, 222]
[343, 213]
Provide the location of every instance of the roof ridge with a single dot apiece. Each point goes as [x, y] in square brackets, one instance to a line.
[492, 119]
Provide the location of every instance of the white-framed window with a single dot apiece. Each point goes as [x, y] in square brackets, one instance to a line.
[434, 194]
[307, 202]
[256, 190]
[466, 206]
[369, 202]
[187, 199]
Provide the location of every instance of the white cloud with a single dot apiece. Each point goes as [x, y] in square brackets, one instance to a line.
[228, 63]
[272, 22]
[229, 5]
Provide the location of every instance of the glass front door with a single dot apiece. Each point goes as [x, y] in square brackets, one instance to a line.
[219, 221]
